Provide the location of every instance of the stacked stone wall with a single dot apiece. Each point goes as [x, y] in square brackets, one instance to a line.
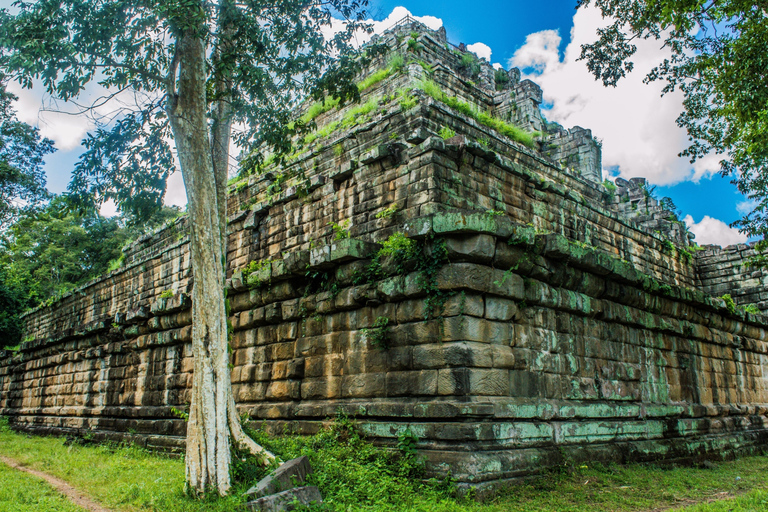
[533, 321]
[727, 271]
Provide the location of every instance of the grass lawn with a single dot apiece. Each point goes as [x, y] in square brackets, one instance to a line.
[20, 492]
[353, 475]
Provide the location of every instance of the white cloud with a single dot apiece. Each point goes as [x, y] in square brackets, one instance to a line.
[65, 130]
[108, 208]
[745, 207]
[714, 231]
[397, 14]
[175, 194]
[482, 50]
[636, 124]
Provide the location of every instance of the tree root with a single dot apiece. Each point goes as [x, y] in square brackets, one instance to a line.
[241, 439]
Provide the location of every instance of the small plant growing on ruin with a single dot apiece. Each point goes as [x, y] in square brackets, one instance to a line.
[446, 133]
[378, 335]
[501, 78]
[407, 442]
[182, 415]
[667, 246]
[399, 246]
[483, 141]
[251, 273]
[338, 149]
[387, 212]
[729, 303]
[751, 308]
[405, 99]
[470, 64]
[414, 46]
[116, 263]
[167, 294]
[341, 230]
[686, 255]
[610, 193]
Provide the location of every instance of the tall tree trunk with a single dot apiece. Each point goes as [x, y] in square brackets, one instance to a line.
[208, 450]
[212, 416]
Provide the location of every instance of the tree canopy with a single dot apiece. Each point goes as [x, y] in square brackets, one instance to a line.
[56, 248]
[719, 60]
[22, 180]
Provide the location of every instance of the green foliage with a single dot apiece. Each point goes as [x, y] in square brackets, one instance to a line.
[429, 265]
[378, 334]
[718, 61]
[414, 46]
[407, 442]
[253, 272]
[116, 263]
[341, 230]
[511, 131]
[167, 294]
[610, 193]
[399, 246]
[501, 78]
[469, 64]
[395, 65]
[182, 415]
[22, 180]
[751, 308]
[446, 133]
[667, 246]
[685, 254]
[53, 250]
[387, 212]
[729, 303]
[406, 100]
[483, 141]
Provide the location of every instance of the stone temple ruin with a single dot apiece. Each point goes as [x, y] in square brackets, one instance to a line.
[416, 265]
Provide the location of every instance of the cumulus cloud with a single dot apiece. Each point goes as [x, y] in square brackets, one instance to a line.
[714, 231]
[482, 50]
[65, 130]
[397, 14]
[636, 124]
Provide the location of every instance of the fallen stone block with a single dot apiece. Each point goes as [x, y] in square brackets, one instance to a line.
[286, 500]
[288, 475]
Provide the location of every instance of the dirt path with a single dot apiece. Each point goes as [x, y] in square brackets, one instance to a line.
[75, 496]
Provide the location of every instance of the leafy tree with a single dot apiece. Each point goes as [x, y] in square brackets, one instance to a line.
[719, 57]
[201, 66]
[48, 252]
[22, 181]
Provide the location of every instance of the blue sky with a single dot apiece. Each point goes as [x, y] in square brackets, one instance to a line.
[542, 38]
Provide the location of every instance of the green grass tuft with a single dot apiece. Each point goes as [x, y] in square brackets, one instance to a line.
[513, 132]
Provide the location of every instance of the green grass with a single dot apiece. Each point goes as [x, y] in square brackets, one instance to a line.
[353, 475]
[22, 492]
[513, 132]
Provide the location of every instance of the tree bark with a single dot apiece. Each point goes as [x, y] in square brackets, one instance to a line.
[208, 450]
[213, 416]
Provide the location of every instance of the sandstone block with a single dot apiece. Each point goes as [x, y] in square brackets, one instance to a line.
[289, 474]
[497, 308]
[474, 248]
[287, 500]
